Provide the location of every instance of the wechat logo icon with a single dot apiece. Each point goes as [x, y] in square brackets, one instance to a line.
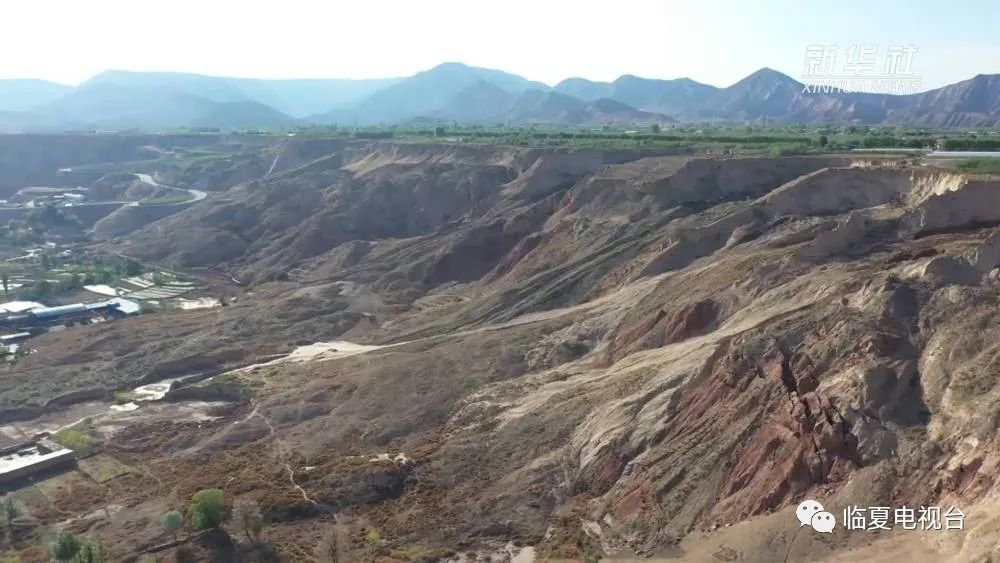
[811, 513]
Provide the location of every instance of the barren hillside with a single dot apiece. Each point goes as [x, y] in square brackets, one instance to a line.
[582, 352]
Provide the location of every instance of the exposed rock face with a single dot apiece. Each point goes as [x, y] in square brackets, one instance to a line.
[986, 256]
[662, 328]
[711, 180]
[841, 238]
[973, 203]
[838, 190]
[945, 270]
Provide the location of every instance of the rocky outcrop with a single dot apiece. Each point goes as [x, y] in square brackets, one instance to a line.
[840, 238]
[946, 270]
[714, 180]
[839, 190]
[974, 203]
[666, 326]
[986, 255]
[687, 246]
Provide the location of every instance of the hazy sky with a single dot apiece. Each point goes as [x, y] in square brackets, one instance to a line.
[711, 41]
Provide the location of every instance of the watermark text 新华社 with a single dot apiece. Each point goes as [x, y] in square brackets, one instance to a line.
[866, 68]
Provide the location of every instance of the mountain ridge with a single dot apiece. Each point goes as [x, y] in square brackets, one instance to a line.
[285, 95]
[17, 94]
[453, 91]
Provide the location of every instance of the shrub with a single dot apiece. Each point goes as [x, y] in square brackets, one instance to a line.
[980, 166]
[75, 440]
[246, 515]
[92, 552]
[172, 522]
[374, 540]
[66, 546]
[206, 509]
[789, 150]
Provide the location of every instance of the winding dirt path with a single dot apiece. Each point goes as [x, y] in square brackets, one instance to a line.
[283, 454]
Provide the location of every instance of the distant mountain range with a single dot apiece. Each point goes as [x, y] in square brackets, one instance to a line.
[457, 92]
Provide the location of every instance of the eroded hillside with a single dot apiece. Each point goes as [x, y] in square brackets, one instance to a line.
[584, 352]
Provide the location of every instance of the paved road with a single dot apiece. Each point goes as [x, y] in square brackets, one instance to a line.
[196, 195]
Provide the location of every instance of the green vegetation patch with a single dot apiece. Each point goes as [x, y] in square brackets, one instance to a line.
[206, 509]
[980, 166]
[103, 468]
[679, 138]
[51, 273]
[76, 439]
[122, 397]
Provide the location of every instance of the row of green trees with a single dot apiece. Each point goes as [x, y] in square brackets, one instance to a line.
[67, 545]
[80, 274]
[205, 512]
[977, 144]
[692, 135]
[654, 136]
